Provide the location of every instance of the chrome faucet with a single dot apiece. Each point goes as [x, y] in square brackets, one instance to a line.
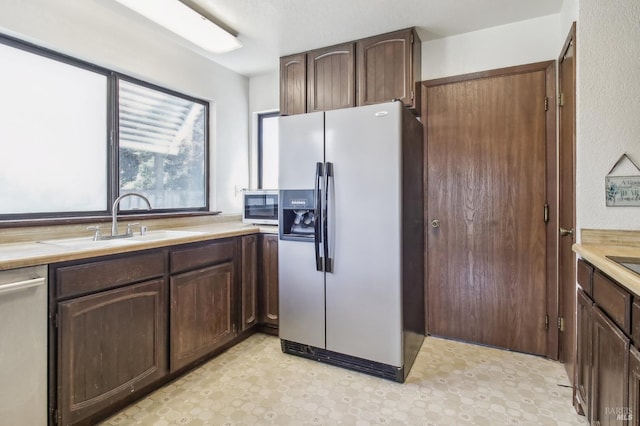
[114, 210]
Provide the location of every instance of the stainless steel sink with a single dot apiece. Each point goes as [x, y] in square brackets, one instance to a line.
[631, 263]
[83, 243]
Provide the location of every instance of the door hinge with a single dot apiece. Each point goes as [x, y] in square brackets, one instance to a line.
[560, 323]
[546, 322]
[546, 103]
[545, 214]
[411, 38]
[56, 320]
[561, 99]
[412, 95]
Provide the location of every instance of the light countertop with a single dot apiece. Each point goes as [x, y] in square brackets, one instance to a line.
[31, 253]
[597, 245]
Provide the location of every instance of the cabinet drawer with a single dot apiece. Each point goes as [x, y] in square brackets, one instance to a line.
[95, 276]
[201, 255]
[585, 276]
[613, 300]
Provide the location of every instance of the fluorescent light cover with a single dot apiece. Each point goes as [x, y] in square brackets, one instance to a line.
[185, 22]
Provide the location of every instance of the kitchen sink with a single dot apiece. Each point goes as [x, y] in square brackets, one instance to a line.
[82, 243]
[631, 263]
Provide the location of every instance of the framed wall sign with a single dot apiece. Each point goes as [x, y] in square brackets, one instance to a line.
[622, 191]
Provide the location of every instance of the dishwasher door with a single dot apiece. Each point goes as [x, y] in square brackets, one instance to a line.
[23, 346]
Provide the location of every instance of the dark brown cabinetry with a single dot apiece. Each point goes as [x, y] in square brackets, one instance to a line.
[249, 297]
[610, 370]
[111, 343]
[389, 66]
[125, 324]
[331, 78]
[268, 284]
[201, 300]
[361, 72]
[634, 387]
[583, 354]
[293, 84]
[605, 375]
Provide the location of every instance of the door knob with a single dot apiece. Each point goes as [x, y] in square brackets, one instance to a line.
[565, 232]
[435, 223]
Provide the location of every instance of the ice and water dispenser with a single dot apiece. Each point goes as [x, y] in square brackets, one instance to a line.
[298, 215]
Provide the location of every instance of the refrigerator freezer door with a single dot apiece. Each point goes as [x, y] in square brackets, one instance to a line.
[364, 292]
[301, 290]
[301, 286]
[300, 147]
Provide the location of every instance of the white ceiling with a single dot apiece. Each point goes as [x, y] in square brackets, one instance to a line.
[269, 29]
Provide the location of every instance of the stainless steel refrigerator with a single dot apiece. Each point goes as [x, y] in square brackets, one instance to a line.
[351, 243]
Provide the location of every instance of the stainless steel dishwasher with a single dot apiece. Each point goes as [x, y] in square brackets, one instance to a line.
[23, 346]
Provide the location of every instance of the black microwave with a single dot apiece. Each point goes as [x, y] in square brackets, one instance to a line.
[260, 206]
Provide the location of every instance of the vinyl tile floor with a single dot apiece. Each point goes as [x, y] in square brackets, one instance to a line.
[451, 383]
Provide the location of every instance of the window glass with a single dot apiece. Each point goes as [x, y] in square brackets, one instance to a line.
[53, 135]
[162, 148]
[268, 150]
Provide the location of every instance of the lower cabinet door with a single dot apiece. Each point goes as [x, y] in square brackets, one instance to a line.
[634, 387]
[201, 314]
[583, 354]
[610, 374]
[268, 305]
[249, 304]
[110, 345]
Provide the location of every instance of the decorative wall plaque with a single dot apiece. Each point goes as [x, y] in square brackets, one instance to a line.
[622, 191]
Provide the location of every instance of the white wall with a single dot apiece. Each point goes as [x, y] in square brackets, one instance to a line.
[519, 43]
[608, 106]
[264, 96]
[568, 15]
[96, 31]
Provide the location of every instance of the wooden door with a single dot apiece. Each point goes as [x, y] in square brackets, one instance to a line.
[293, 84]
[331, 78]
[201, 313]
[388, 67]
[249, 281]
[610, 374]
[486, 180]
[110, 345]
[567, 202]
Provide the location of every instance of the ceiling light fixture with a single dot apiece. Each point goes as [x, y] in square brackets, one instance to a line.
[180, 19]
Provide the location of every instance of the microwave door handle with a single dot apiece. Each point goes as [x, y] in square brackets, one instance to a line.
[317, 195]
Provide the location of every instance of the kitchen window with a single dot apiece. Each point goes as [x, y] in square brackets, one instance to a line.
[268, 150]
[162, 147]
[75, 136]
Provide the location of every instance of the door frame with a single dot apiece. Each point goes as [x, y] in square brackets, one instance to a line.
[549, 67]
[564, 356]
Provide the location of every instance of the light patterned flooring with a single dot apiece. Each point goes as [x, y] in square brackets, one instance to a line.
[451, 383]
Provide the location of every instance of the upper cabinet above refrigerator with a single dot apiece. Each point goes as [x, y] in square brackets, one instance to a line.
[362, 72]
[389, 66]
[331, 78]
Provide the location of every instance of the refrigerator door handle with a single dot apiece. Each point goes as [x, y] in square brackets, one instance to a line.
[328, 207]
[317, 238]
